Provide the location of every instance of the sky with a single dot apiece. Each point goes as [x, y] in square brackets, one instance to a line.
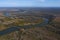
[29, 3]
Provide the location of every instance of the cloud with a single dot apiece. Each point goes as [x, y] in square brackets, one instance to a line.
[42, 0]
[18, 3]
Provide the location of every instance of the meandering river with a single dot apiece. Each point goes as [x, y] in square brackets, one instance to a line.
[12, 29]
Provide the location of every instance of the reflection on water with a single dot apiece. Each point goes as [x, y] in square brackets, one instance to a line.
[6, 14]
[9, 30]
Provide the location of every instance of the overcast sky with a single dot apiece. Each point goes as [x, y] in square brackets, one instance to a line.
[29, 3]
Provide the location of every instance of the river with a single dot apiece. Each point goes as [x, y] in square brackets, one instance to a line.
[12, 29]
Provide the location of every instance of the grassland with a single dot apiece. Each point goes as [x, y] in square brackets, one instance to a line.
[48, 32]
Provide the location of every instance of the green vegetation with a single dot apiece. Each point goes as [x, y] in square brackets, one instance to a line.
[48, 32]
[7, 22]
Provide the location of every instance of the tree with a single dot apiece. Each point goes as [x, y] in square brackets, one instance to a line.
[51, 18]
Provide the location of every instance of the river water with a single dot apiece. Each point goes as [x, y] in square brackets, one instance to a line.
[12, 29]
